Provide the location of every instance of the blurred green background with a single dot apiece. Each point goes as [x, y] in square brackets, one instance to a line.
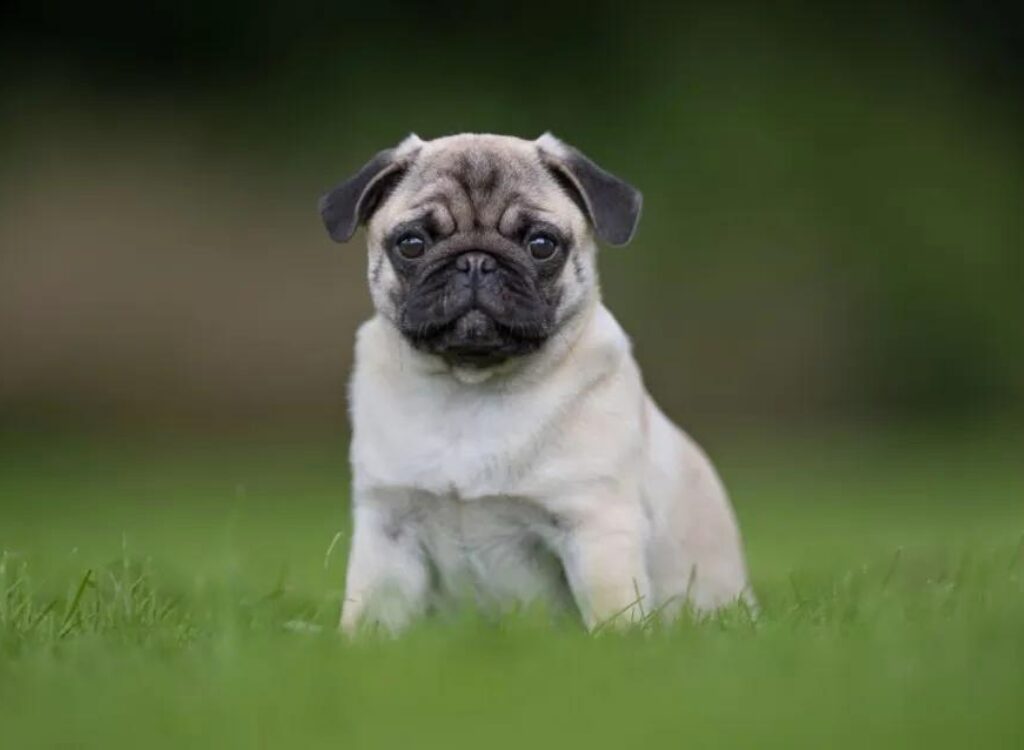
[832, 229]
[825, 290]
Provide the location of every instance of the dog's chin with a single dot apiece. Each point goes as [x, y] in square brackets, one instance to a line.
[475, 341]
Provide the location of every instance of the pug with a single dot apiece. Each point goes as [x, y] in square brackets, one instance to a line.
[504, 447]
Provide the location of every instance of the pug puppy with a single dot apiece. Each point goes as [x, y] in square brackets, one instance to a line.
[504, 447]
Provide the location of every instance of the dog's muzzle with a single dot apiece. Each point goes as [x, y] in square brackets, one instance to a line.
[483, 314]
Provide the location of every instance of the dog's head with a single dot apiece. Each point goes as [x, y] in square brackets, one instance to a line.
[482, 246]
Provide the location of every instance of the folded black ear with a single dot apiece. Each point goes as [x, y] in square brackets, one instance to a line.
[353, 202]
[612, 205]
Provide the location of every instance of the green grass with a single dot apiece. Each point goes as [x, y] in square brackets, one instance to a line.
[184, 595]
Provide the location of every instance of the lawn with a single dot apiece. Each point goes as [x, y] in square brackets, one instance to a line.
[183, 593]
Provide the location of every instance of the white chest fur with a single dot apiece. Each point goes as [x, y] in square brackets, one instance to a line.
[471, 473]
[464, 493]
[420, 429]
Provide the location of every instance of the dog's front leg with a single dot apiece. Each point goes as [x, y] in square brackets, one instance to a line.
[603, 554]
[388, 579]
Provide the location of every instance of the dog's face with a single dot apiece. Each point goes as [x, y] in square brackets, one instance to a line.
[480, 246]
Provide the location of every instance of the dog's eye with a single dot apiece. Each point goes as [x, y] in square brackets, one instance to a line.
[542, 245]
[411, 245]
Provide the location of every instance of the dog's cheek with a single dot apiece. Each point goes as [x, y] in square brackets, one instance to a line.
[574, 286]
[386, 289]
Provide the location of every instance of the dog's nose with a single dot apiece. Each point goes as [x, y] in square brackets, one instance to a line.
[476, 263]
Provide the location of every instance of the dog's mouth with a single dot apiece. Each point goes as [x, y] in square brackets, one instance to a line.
[477, 340]
[476, 320]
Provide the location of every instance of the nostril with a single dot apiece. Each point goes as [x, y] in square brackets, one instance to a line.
[476, 262]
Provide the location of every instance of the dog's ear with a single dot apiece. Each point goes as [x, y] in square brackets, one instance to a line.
[353, 202]
[612, 205]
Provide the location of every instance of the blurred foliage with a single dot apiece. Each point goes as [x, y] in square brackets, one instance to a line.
[833, 196]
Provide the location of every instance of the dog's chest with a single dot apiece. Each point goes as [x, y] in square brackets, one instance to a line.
[495, 551]
[461, 447]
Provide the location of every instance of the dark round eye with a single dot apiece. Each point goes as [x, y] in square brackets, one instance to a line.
[411, 245]
[542, 246]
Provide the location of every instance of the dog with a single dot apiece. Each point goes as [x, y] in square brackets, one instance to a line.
[504, 447]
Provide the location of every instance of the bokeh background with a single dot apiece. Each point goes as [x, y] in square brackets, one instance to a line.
[825, 290]
[832, 230]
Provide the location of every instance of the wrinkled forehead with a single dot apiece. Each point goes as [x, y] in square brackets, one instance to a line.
[480, 186]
